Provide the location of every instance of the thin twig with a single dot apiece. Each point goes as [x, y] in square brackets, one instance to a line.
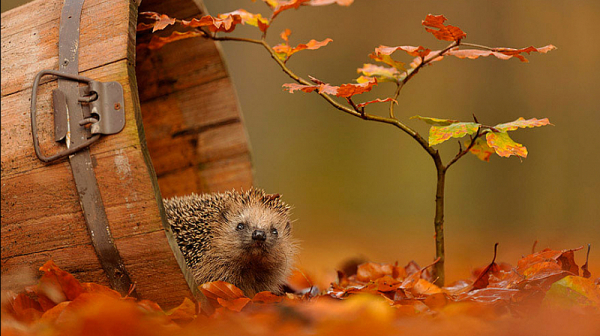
[395, 99]
[461, 153]
[240, 39]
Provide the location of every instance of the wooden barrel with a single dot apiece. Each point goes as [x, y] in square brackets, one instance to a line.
[183, 133]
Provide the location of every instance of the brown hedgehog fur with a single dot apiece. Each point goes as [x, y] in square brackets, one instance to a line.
[215, 234]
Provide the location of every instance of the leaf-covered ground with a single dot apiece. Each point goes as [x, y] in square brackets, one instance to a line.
[543, 294]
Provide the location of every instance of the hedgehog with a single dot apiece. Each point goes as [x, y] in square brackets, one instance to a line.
[243, 238]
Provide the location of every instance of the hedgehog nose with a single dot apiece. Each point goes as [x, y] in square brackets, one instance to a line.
[259, 235]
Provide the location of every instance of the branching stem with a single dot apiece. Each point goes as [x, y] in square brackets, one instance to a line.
[354, 110]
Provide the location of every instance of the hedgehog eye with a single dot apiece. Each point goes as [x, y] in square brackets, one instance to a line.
[240, 226]
[274, 232]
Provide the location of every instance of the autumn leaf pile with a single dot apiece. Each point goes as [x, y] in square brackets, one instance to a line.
[543, 294]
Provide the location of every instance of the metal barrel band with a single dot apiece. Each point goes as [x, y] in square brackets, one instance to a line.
[36, 142]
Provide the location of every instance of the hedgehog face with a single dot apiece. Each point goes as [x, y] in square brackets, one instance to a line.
[261, 234]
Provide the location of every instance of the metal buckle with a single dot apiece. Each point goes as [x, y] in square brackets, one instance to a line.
[103, 107]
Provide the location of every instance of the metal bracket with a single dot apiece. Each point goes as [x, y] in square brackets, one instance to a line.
[103, 110]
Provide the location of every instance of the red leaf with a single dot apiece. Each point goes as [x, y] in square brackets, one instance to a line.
[443, 32]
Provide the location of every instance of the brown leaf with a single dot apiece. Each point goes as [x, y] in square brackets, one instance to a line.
[372, 271]
[482, 280]
[536, 262]
[441, 31]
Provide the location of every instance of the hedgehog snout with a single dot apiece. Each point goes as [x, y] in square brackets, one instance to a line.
[259, 235]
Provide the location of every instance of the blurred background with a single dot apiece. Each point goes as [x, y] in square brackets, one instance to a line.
[363, 189]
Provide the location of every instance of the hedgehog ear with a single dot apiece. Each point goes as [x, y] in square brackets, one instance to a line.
[288, 227]
[224, 212]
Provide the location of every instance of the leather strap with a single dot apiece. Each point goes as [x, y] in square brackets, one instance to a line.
[81, 162]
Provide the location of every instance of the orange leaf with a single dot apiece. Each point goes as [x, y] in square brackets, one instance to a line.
[285, 5]
[266, 297]
[419, 51]
[349, 90]
[299, 281]
[500, 53]
[504, 145]
[158, 42]
[161, 20]
[443, 32]
[372, 271]
[90, 287]
[53, 313]
[345, 90]
[55, 279]
[329, 2]
[248, 18]
[480, 149]
[25, 308]
[225, 23]
[376, 101]
[184, 313]
[284, 50]
[220, 290]
[482, 280]
[522, 123]
[235, 305]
